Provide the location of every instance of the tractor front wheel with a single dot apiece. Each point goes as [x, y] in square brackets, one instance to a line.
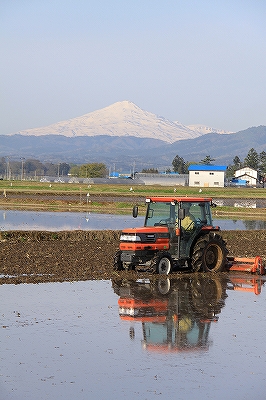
[162, 263]
[209, 254]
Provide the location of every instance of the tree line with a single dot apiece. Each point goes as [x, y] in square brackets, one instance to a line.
[253, 159]
[30, 168]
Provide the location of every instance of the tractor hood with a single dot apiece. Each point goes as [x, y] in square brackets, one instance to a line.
[145, 230]
[145, 238]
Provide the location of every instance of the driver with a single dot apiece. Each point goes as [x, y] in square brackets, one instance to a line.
[189, 222]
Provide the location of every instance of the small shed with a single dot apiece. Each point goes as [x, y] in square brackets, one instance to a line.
[248, 174]
[238, 182]
[203, 175]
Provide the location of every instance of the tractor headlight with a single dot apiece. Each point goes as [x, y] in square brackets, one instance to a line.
[130, 238]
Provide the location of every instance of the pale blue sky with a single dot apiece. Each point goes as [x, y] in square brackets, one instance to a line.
[195, 61]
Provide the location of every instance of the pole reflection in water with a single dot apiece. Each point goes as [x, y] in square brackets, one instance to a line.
[176, 314]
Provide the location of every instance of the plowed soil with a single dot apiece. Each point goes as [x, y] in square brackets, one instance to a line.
[36, 257]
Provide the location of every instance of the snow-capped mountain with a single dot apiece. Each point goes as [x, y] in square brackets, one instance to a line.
[206, 129]
[121, 119]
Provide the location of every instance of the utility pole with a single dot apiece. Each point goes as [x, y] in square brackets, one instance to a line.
[22, 164]
[133, 171]
[8, 172]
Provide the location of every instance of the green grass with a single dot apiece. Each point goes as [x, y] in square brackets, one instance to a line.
[116, 190]
[138, 190]
[226, 212]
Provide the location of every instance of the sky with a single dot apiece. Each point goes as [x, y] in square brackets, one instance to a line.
[192, 61]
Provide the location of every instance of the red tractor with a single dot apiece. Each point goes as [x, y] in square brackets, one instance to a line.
[178, 234]
[175, 315]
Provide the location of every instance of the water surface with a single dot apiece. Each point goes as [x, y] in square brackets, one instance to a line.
[60, 221]
[184, 339]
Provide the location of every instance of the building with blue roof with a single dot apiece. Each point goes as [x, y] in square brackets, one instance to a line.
[203, 175]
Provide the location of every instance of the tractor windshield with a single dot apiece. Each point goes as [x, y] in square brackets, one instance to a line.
[160, 214]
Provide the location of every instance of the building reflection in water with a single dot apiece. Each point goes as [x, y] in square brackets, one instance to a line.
[176, 314]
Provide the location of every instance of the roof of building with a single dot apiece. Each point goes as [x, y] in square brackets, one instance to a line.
[205, 167]
[246, 169]
[246, 174]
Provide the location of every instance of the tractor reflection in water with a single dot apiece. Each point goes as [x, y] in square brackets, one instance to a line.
[176, 314]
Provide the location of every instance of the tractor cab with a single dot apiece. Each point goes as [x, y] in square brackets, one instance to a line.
[183, 219]
[174, 212]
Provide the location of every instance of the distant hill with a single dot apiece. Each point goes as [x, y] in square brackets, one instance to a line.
[123, 119]
[75, 149]
[223, 148]
[125, 151]
[125, 134]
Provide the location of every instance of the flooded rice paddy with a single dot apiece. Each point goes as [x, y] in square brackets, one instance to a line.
[60, 221]
[197, 336]
[191, 337]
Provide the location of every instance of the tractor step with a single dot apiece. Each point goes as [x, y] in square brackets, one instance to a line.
[252, 265]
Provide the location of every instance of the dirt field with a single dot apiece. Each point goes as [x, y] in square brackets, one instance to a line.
[81, 255]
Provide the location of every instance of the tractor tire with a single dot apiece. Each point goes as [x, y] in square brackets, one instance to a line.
[163, 286]
[118, 265]
[209, 254]
[162, 263]
[206, 293]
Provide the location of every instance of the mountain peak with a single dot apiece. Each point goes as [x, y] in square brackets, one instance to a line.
[122, 118]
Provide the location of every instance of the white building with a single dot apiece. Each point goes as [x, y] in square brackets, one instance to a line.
[207, 175]
[248, 174]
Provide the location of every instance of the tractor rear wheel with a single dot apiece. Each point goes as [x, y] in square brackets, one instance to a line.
[162, 263]
[209, 254]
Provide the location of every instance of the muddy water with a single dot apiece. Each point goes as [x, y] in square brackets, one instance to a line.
[58, 221]
[186, 338]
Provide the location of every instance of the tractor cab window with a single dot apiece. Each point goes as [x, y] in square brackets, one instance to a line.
[199, 212]
[159, 214]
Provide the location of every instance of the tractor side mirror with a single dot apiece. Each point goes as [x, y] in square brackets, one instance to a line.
[181, 213]
[135, 211]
